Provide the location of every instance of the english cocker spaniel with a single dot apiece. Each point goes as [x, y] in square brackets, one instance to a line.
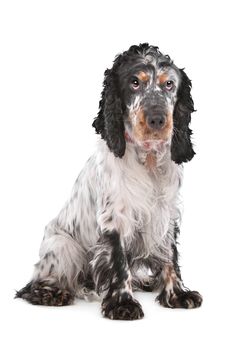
[118, 232]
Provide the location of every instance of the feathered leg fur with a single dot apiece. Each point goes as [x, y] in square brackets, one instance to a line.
[112, 276]
[173, 294]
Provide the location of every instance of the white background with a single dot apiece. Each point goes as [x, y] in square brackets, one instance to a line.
[52, 59]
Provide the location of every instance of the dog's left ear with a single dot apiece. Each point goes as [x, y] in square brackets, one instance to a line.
[109, 121]
[181, 147]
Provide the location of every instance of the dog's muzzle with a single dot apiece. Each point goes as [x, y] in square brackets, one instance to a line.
[155, 111]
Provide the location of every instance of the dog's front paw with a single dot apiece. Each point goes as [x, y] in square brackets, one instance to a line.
[188, 300]
[182, 299]
[122, 307]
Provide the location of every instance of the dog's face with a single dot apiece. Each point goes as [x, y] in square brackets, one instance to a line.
[148, 88]
[146, 99]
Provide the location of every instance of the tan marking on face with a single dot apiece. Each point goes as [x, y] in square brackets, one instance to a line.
[142, 132]
[162, 78]
[143, 76]
[139, 126]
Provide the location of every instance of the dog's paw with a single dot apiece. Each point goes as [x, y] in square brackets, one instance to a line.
[188, 300]
[122, 307]
[182, 299]
[40, 293]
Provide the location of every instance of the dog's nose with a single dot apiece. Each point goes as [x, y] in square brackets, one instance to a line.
[156, 121]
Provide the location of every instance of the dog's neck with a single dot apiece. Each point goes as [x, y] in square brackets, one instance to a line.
[153, 158]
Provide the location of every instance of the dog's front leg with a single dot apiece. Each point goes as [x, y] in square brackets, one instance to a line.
[112, 278]
[173, 294]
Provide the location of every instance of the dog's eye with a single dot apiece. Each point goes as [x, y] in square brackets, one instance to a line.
[169, 85]
[135, 83]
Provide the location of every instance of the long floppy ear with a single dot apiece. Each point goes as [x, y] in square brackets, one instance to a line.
[109, 121]
[181, 147]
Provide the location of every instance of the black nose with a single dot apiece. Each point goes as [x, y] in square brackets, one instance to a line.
[156, 121]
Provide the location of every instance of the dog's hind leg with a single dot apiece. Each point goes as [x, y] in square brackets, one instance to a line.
[55, 277]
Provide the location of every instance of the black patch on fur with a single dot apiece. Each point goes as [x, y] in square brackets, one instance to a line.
[43, 293]
[111, 263]
[175, 258]
[86, 280]
[181, 148]
[109, 122]
[110, 274]
[51, 269]
[47, 255]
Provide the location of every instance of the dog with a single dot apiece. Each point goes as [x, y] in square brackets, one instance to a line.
[118, 232]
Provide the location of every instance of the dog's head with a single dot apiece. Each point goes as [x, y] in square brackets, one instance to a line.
[146, 99]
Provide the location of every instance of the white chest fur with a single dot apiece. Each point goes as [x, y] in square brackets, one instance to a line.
[138, 198]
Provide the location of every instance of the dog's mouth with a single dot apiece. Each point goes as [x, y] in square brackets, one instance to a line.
[148, 144]
[153, 145]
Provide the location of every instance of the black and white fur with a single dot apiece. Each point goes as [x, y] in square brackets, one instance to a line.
[118, 231]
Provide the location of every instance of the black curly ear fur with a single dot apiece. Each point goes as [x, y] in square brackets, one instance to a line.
[109, 121]
[181, 148]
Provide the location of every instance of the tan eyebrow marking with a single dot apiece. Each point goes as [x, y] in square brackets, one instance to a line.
[143, 76]
[162, 78]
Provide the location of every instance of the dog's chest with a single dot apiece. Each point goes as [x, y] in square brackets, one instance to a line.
[158, 203]
[135, 198]
[160, 184]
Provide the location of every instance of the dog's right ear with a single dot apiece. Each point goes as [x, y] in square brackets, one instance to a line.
[109, 121]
